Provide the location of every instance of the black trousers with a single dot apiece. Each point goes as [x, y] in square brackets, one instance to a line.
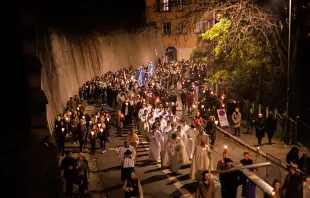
[92, 147]
[81, 141]
[259, 140]
[61, 146]
[69, 188]
[237, 131]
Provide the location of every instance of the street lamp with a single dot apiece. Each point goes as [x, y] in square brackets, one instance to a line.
[288, 69]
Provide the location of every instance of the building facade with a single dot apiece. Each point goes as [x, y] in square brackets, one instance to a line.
[179, 31]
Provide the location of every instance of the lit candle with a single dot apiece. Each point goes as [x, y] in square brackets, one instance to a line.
[92, 133]
[225, 147]
[101, 129]
[223, 105]
[126, 103]
[257, 148]
[222, 97]
[62, 129]
[211, 92]
[108, 119]
[216, 122]
[67, 118]
[202, 106]
[96, 116]
[90, 122]
[99, 125]
[194, 106]
[83, 117]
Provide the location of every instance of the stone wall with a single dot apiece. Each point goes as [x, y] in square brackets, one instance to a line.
[69, 60]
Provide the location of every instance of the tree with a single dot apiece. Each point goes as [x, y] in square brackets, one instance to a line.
[248, 57]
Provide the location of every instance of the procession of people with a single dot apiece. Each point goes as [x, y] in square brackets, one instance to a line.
[145, 101]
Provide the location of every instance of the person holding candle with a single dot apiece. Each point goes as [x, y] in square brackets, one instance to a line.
[61, 132]
[201, 161]
[108, 125]
[119, 122]
[81, 133]
[83, 171]
[211, 130]
[93, 138]
[236, 118]
[102, 137]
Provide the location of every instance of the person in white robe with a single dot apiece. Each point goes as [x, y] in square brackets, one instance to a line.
[175, 154]
[201, 161]
[143, 123]
[139, 121]
[154, 148]
[151, 120]
[165, 134]
[202, 137]
[162, 122]
[193, 133]
[173, 130]
[127, 154]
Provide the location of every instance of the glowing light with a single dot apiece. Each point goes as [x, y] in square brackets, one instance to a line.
[126, 103]
[77, 108]
[62, 129]
[92, 133]
[202, 106]
[67, 118]
[99, 125]
[216, 122]
[223, 105]
[90, 122]
[257, 148]
[194, 106]
[222, 97]
[83, 117]
[101, 129]
[108, 119]
[225, 147]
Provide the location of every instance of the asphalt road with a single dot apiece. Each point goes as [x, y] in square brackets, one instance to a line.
[158, 183]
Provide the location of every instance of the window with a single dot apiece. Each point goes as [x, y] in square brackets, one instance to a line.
[167, 28]
[203, 3]
[156, 6]
[180, 5]
[200, 27]
[180, 28]
[166, 6]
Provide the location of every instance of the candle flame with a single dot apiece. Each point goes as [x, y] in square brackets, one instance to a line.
[225, 147]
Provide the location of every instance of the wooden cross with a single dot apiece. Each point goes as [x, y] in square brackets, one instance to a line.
[254, 178]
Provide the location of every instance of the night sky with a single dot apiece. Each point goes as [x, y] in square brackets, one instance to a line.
[92, 13]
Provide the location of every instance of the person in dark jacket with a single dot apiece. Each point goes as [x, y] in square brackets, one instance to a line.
[229, 181]
[304, 164]
[61, 133]
[68, 165]
[260, 128]
[270, 126]
[248, 187]
[293, 184]
[211, 130]
[250, 121]
[293, 156]
[246, 160]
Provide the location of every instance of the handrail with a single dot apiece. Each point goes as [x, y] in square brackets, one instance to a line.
[304, 124]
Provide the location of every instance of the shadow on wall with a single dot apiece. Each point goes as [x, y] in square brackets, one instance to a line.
[68, 61]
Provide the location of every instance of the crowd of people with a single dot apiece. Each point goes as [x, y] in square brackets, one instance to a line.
[145, 100]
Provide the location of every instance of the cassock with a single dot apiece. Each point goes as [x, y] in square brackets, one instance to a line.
[200, 162]
[128, 161]
[193, 132]
[143, 123]
[175, 154]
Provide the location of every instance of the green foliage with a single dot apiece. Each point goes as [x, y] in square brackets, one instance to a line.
[248, 66]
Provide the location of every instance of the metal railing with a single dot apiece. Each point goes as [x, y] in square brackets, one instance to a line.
[298, 131]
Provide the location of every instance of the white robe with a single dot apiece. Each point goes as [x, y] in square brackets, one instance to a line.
[144, 125]
[150, 120]
[127, 162]
[200, 162]
[175, 154]
[154, 148]
[193, 133]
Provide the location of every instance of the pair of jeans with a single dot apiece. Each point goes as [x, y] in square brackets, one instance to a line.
[81, 142]
[102, 144]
